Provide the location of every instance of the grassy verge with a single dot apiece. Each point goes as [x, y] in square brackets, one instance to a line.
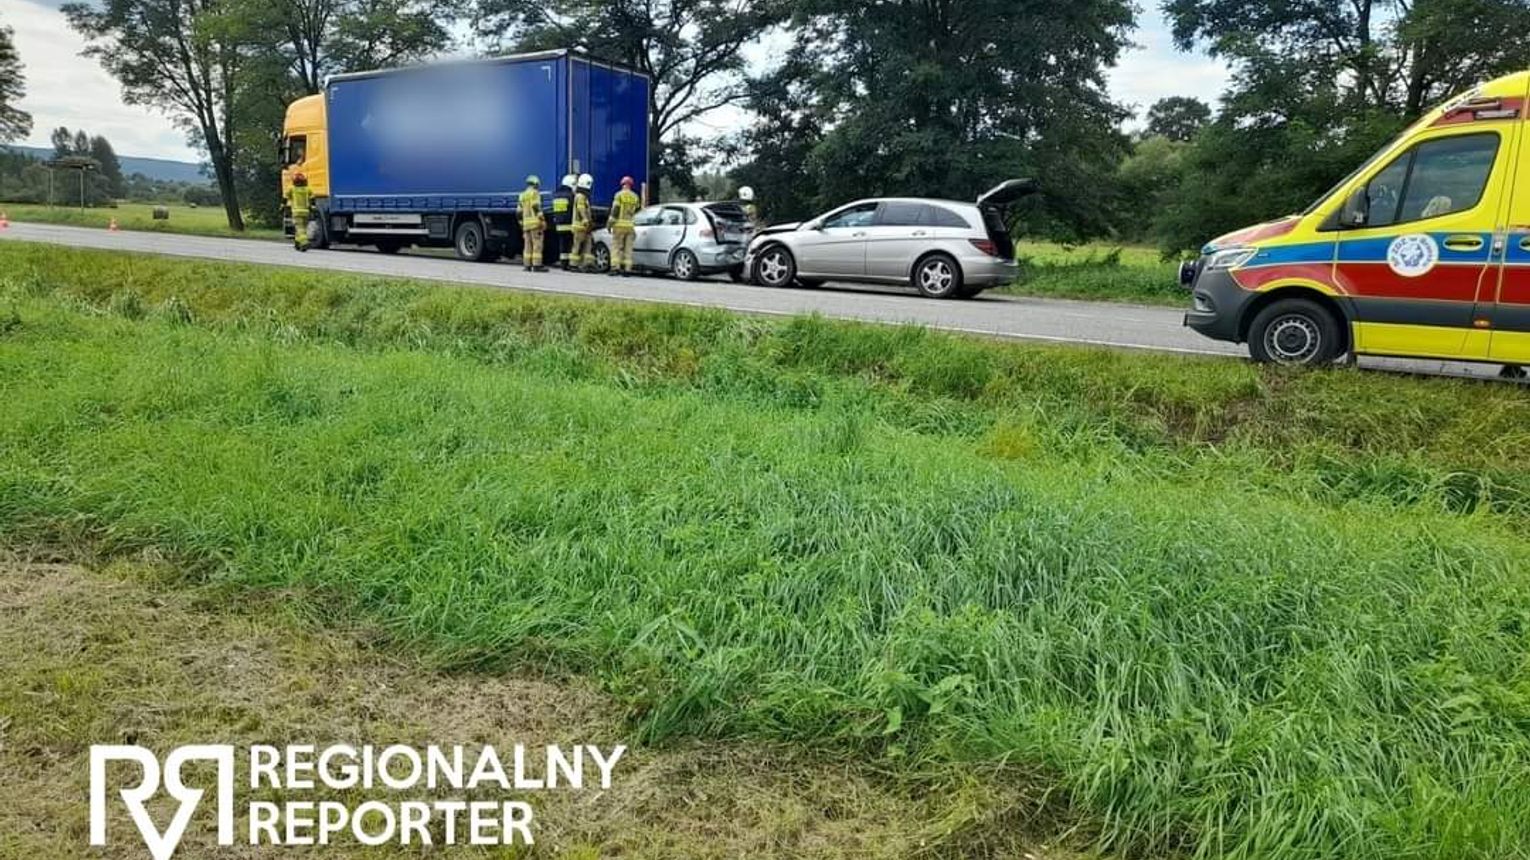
[94, 656]
[201, 221]
[1098, 273]
[1231, 611]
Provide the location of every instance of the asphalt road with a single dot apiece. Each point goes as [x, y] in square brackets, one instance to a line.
[1095, 323]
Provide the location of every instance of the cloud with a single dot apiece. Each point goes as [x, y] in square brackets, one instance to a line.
[64, 88]
[1155, 69]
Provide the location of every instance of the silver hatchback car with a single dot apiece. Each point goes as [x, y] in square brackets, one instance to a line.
[942, 248]
[687, 240]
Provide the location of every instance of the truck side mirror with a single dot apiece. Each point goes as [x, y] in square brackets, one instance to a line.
[1357, 209]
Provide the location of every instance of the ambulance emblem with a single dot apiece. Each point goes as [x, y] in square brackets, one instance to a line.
[1414, 255]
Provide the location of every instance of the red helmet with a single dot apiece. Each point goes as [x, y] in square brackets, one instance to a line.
[299, 178]
[627, 182]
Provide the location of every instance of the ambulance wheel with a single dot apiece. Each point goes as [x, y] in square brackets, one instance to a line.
[470, 242]
[1295, 332]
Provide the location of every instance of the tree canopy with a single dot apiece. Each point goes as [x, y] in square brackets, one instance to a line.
[15, 123]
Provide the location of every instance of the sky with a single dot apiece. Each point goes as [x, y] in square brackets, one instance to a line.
[64, 88]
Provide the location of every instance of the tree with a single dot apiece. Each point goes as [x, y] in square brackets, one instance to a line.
[63, 143]
[15, 123]
[1318, 86]
[691, 49]
[948, 97]
[183, 57]
[111, 168]
[1393, 56]
[1177, 118]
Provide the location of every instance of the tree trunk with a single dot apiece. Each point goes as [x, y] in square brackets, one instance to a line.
[223, 172]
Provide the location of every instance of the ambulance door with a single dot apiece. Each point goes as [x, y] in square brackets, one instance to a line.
[1415, 264]
[1511, 314]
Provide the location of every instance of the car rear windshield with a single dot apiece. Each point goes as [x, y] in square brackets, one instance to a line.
[998, 232]
[727, 212]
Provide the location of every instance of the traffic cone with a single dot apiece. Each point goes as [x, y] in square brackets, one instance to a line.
[5, 221]
[112, 227]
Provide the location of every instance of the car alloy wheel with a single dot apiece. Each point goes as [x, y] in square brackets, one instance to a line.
[775, 268]
[602, 258]
[686, 265]
[937, 277]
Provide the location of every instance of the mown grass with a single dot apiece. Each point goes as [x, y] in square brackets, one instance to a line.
[201, 221]
[1097, 273]
[1234, 612]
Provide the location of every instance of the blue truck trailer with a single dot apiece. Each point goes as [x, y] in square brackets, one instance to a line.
[437, 155]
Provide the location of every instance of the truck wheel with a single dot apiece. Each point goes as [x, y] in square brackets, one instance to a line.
[470, 242]
[1295, 332]
[685, 265]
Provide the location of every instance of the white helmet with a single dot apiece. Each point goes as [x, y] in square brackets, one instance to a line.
[746, 194]
[568, 181]
[586, 181]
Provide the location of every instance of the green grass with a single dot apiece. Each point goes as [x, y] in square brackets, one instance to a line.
[201, 221]
[1098, 273]
[1233, 612]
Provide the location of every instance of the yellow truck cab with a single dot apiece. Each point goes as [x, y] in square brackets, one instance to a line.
[1422, 252]
[304, 150]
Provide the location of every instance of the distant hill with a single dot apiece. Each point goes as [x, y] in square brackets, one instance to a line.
[161, 169]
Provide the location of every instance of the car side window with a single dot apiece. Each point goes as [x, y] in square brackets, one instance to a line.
[1437, 177]
[940, 216]
[672, 218]
[902, 215]
[856, 216]
[647, 218]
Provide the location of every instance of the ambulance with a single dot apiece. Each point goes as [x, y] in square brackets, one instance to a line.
[1423, 252]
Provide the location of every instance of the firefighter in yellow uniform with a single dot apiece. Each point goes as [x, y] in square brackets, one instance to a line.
[584, 225]
[624, 210]
[563, 220]
[533, 225]
[300, 200]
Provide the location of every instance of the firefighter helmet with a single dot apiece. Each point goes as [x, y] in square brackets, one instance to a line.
[533, 179]
[568, 181]
[299, 179]
[627, 182]
[746, 194]
[586, 181]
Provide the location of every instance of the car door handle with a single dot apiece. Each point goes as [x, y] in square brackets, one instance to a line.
[857, 235]
[919, 234]
[1464, 243]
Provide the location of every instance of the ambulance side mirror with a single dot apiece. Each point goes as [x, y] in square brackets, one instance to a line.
[1357, 209]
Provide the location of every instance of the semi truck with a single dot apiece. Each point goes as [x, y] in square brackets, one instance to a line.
[437, 155]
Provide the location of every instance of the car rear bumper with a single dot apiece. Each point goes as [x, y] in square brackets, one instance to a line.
[720, 258]
[986, 271]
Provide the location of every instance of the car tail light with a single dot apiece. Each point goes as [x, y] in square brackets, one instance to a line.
[706, 232]
[986, 246]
